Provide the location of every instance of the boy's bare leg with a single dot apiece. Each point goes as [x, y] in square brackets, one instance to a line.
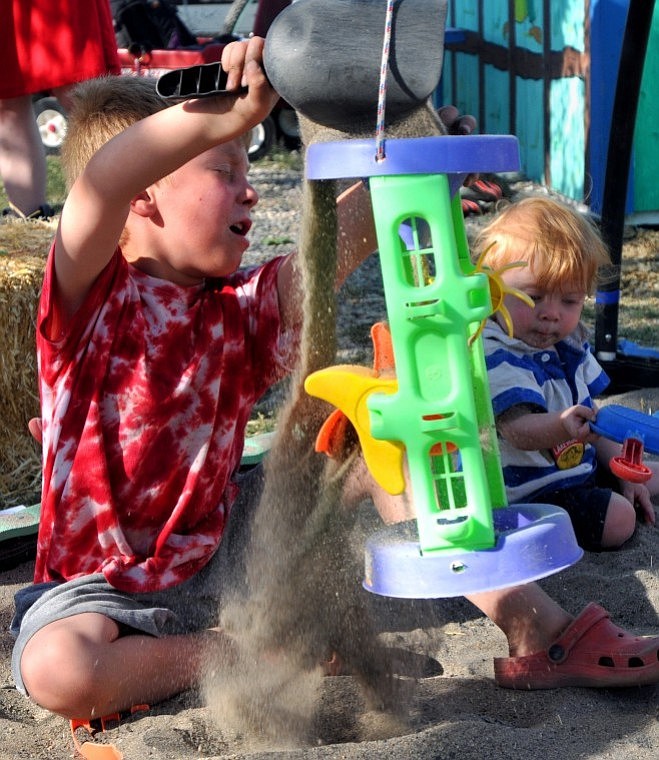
[359, 485]
[80, 667]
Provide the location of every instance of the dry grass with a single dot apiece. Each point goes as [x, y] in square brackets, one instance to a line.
[639, 290]
[639, 309]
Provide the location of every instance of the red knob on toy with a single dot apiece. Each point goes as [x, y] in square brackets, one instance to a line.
[629, 465]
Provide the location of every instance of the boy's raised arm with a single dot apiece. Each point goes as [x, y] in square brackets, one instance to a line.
[99, 202]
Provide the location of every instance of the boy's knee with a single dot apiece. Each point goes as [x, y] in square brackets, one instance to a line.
[620, 522]
[58, 672]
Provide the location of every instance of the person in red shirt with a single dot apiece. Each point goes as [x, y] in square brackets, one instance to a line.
[153, 346]
[45, 46]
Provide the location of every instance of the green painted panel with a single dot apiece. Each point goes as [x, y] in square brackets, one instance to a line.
[567, 24]
[528, 25]
[497, 111]
[495, 23]
[466, 15]
[529, 128]
[528, 11]
[646, 136]
[467, 94]
[567, 136]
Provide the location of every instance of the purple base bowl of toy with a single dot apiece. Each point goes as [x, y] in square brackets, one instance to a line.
[532, 541]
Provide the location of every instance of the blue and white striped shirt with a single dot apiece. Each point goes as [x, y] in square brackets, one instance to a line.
[548, 380]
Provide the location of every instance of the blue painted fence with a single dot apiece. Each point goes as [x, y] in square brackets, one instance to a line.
[546, 72]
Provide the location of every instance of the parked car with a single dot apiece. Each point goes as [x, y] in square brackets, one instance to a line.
[136, 60]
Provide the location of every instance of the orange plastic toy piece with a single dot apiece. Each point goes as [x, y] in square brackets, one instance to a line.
[348, 387]
[629, 465]
[93, 751]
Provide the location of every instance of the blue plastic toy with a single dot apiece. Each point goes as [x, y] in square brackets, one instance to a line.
[637, 431]
[615, 421]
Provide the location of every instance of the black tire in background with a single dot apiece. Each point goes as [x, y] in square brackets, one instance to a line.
[289, 128]
[52, 121]
[264, 136]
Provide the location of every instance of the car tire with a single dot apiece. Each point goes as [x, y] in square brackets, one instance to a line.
[52, 122]
[263, 139]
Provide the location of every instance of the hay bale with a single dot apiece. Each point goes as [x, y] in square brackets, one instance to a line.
[23, 249]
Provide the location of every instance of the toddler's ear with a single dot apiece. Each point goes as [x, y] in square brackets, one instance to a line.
[143, 204]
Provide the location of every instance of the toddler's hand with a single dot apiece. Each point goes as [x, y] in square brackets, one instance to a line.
[576, 421]
[639, 496]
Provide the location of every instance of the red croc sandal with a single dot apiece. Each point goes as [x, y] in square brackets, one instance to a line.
[488, 191]
[470, 207]
[591, 652]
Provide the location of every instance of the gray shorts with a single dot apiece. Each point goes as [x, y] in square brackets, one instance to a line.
[191, 606]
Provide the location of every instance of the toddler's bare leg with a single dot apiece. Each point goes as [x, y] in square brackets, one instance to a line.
[359, 485]
[653, 484]
[620, 522]
[529, 618]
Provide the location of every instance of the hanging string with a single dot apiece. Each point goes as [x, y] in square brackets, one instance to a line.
[382, 91]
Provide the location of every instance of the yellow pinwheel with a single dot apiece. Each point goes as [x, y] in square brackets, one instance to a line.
[499, 290]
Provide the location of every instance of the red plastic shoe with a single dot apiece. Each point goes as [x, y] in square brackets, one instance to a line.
[591, 652]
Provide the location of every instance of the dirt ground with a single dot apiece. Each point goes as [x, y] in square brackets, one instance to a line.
[458, 712]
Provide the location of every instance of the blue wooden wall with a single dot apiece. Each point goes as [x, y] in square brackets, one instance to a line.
[546, 72]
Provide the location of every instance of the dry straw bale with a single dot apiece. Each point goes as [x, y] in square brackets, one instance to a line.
[23, 248]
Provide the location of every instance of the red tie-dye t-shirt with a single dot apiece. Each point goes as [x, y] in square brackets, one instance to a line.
[145, 398]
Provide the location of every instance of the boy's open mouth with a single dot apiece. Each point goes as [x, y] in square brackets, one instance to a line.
[241, 228]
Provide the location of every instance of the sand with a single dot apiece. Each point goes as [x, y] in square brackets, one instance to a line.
[458, 712]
